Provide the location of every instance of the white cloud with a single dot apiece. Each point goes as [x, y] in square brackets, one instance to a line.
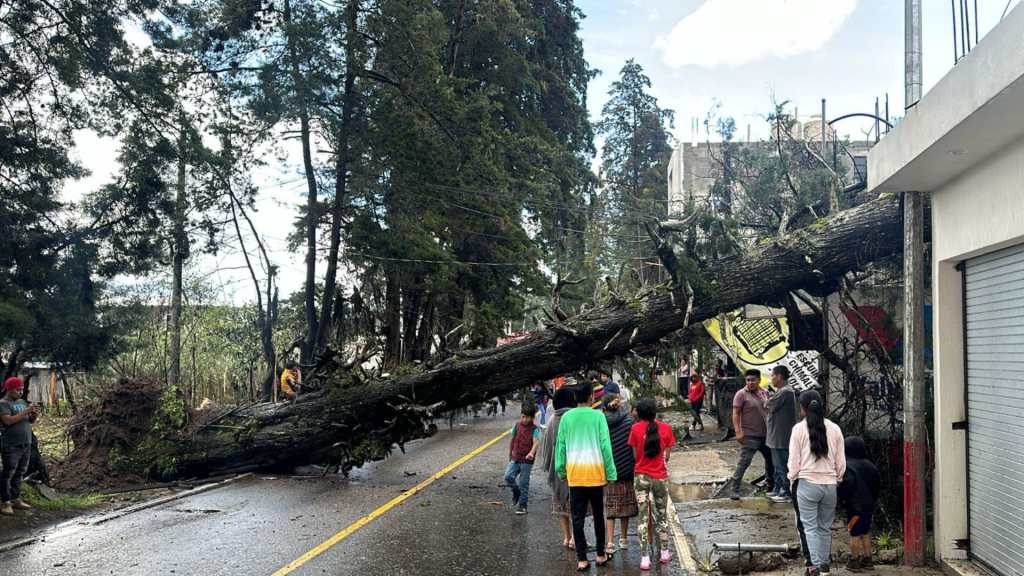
[735, 32]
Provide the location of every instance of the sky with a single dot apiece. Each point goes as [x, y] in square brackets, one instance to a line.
[743, 54]
[732, 56]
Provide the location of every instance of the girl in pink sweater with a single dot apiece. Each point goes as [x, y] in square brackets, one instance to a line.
[817, 462]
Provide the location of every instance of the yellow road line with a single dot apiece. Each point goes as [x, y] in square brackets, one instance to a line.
[686, 560]
[352, 528]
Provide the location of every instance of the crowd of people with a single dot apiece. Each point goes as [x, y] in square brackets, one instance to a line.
[605, 457]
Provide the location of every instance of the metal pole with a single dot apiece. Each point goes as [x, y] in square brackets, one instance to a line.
[888, 119]
[824, 126]
[956, 51]
[878, 126]
[914, 433]
[967, 24]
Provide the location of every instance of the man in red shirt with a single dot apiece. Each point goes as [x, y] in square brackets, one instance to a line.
[696, 398]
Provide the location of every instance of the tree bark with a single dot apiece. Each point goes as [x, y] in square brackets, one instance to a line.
[312, 206]
[392, 317]
[340, 421]
[180, 251]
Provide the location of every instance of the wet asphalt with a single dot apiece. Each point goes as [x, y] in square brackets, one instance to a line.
[461, 525]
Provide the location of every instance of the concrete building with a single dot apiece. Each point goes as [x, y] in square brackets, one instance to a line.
[963, 144]
[694, 166]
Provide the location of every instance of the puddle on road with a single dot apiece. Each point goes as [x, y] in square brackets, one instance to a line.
[690, 492]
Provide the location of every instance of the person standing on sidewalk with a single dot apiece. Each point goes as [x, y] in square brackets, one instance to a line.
[750, 419]
[782, 416]
[817, 463]
[619, 496]
[859, 491]
[521, 453]
[17, 416]
[583, 456]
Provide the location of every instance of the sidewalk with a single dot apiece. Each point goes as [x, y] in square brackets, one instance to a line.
[700, 468]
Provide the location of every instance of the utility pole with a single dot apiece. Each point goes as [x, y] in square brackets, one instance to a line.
[915, 436]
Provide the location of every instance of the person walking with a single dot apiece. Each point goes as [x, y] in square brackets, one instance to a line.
[817, 463]
[16, 417]
[651, 440]
[782, 416]
[696, 398]
[583, 456]
[750, 420]
[563, 401]
[521, 453]
[620, 495]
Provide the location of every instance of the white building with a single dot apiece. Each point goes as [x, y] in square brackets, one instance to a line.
[963, 143]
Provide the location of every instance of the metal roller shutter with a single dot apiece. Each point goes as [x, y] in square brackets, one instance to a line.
[994, 308]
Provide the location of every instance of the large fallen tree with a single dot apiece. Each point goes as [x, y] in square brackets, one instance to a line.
[349, 422]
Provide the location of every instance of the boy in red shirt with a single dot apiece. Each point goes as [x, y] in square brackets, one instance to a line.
[696, 398]
[651, 440]
[521, 453]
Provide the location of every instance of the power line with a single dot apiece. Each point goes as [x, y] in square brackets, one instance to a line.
[453, 262]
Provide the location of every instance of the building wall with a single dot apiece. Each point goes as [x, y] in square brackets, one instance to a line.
[694, 167]
[979, 212]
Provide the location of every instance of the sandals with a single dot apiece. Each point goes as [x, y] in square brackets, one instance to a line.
[583, 568]
[607, 558]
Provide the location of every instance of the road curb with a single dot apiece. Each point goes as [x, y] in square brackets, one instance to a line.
[683, 552]
[11, 545]
[153, 503]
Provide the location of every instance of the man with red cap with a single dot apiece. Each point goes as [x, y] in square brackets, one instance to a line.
[16, 416]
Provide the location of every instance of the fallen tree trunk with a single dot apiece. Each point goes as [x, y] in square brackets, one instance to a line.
[352, 424]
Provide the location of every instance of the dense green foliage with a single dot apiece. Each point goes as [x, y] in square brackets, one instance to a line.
[446, 151]
[634, 163]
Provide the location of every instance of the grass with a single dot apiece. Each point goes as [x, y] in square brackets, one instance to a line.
[706, 563]
[885, 541]
[67, 502]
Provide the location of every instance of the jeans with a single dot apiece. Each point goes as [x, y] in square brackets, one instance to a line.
[652, 498]
[580, 497]
[695, 408]
[800, 525]
[517, 477]
[780, 460]
[817, 507]
[752, 445]
[15, 463]
[542, 409]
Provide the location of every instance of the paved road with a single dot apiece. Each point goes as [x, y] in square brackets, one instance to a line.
[459, 525]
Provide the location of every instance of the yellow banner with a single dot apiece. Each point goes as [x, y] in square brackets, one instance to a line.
[762, 344]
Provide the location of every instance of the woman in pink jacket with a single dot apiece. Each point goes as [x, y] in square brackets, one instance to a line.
[817, 462]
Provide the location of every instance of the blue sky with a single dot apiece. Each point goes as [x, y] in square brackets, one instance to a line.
[741, 53]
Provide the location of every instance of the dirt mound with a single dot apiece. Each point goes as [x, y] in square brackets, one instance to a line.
[104, 430]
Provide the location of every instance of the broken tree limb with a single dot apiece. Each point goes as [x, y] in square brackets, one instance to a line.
[362, 421]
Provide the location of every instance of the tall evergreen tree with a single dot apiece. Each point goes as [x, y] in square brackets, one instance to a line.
[634, 159]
